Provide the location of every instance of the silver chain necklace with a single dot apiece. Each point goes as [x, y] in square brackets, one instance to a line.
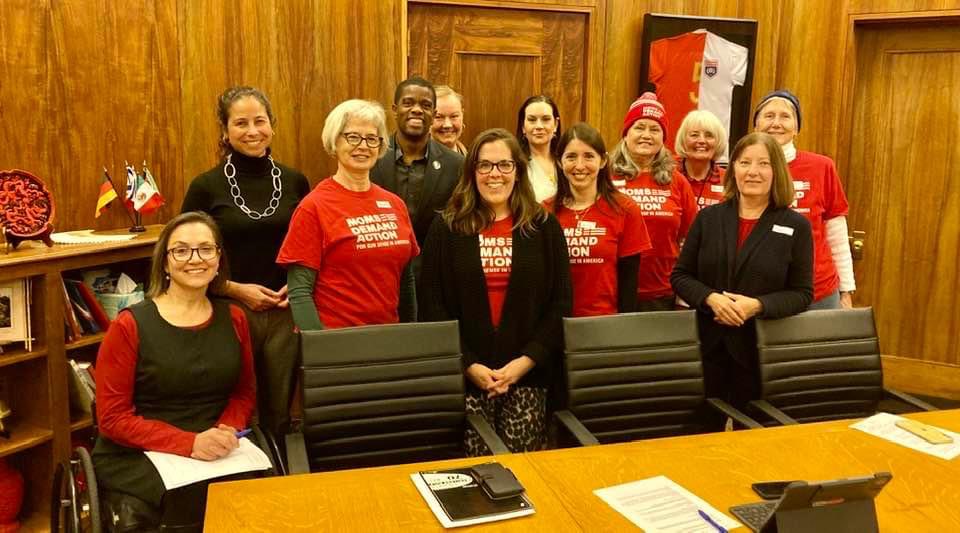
[230, 172]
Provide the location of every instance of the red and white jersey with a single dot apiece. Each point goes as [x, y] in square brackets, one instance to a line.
[697, 70]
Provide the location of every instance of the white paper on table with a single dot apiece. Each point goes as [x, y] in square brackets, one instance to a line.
[884, 425]
[178, 471]
[658, 505]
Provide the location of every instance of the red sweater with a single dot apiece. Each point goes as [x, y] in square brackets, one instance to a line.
[116, 369]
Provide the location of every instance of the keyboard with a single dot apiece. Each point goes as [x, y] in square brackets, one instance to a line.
[754, 515]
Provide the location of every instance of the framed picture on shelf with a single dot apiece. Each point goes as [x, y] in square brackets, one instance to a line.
[14, 312]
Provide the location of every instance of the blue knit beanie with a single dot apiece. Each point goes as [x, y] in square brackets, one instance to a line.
[779, 93]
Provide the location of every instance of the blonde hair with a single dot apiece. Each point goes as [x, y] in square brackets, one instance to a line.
[446, 90]
[706, 121]
[781, 190]
[466, 214]
[365, 110]
[661, 168]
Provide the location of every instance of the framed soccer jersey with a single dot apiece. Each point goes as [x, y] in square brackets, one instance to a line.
[700, 63]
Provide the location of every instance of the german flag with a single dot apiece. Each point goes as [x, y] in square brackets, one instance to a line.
[107, 194]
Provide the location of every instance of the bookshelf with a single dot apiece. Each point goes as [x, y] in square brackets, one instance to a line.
[34, 383]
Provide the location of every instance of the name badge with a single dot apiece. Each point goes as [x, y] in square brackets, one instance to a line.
[619, 183]
[716, 188]
[587, 224]
[383, 204]
[786, 230]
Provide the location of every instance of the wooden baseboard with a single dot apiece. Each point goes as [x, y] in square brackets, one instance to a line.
[921, 377]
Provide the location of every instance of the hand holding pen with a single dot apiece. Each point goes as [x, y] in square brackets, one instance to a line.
[215, 443]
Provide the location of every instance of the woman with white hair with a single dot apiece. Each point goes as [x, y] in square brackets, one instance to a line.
[820, 198]
[350, 242]
[701, 143]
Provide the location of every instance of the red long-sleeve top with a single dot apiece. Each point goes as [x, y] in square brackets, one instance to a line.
[116, 368]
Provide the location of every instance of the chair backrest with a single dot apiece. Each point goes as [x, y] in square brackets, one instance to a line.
[377, 395]
[821, 365]
[635, 376]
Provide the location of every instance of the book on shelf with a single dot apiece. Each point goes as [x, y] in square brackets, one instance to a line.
[15, 312]
[91, 302]
[457, 499]
[83, 387]
[73, 330]
[84, 316]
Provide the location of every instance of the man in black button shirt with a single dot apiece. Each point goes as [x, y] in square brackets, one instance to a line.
[416, 168]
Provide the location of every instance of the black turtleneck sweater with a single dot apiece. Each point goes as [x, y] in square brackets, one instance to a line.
[251, 245]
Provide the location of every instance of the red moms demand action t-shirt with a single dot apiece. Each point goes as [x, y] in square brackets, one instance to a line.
[708, 191]
[595, 243]
[496, 258]
[359, 243]
[668, 211]
[819, 197]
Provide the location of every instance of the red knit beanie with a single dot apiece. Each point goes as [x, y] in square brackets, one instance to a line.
[647, 106]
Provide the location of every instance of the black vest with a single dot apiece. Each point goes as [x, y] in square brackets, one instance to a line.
[183, 377]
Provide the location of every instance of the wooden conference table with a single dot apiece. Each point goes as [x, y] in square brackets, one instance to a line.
[924, 494]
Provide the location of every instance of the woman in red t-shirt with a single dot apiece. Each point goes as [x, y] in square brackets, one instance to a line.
[496, 261]
[604, 228]
[174, 375]
[820, 198]
[645, 171]
[701, 143]
[350, 242]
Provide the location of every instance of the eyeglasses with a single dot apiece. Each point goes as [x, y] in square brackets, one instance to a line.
[185, 253]
[354, 139]
[506, 166]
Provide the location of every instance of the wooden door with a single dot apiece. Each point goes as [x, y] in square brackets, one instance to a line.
[497, 57]
[904, 192]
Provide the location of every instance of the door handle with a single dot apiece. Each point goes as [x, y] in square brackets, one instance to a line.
[857, 242]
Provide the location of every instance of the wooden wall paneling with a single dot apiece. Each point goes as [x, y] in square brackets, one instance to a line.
[25, 106]
[477, 70]
[912, 218]
[767, 14]
[542, 51]
[810, 63]
[114, 90]
[891, 6]
[306, 55]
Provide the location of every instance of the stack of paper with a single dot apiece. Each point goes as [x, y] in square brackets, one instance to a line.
[884, 425]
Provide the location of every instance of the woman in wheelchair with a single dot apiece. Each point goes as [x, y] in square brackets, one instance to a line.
[174, 374]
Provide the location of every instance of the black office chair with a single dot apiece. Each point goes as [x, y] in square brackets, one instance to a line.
[378, 395]
[78, 505]
[637, 376]
[822, 365]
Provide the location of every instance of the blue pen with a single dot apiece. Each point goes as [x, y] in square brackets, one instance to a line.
[243, 433]
[710, 521]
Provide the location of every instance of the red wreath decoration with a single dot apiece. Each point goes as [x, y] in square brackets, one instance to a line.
[27, 207]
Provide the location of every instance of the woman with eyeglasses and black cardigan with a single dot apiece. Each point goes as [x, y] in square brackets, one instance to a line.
[252, 197]
[497, 261]
[350, 243]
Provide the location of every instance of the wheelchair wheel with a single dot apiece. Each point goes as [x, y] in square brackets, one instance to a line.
[75, 502]
[89, 495]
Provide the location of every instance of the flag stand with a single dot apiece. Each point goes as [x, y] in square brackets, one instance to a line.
[137, 224]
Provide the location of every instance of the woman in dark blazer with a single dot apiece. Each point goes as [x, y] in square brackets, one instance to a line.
[748, 257]
[497, 261]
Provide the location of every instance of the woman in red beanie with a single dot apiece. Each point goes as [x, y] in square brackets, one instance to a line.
[644, 170]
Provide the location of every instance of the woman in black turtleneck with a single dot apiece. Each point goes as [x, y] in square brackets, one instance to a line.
[252, 198]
